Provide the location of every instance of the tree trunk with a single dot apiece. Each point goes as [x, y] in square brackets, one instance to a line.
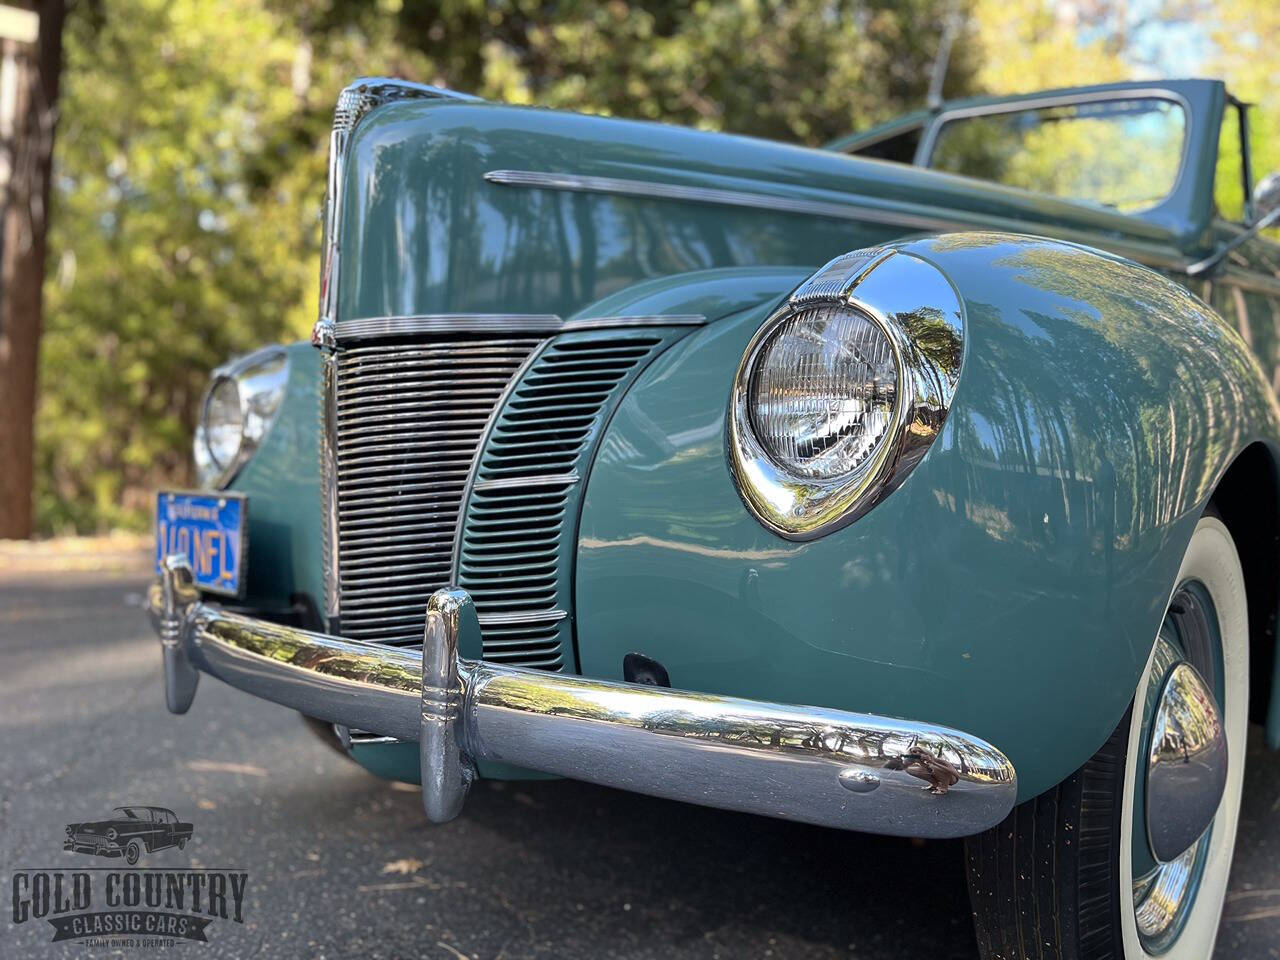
[28, 112]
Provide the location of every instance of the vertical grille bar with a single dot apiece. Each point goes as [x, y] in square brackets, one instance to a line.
[408, 418]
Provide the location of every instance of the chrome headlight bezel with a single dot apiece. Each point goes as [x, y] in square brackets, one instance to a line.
[260, 379]
[919, 312]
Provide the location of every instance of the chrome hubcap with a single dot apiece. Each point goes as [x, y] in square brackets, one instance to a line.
[1185, 750]
[1187, 765]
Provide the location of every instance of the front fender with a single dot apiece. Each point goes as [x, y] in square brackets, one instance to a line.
[283, 484]
[1012, 587]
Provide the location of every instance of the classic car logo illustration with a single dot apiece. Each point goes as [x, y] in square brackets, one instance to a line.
[129, 832]
[117, 907]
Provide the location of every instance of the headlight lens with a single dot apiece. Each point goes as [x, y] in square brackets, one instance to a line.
[843, 389]
[111, 833]
[239, 409]
[824, 391]
[223, 423]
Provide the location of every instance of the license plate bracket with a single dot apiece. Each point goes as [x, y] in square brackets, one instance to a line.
[211, 529]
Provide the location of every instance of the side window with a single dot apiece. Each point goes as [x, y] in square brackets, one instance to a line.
[1122, 153]
[1228, 179]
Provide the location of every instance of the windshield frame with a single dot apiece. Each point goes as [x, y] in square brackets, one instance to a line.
[929, 139]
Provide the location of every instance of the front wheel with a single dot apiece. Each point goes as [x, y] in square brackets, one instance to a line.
[1129, 857]
[132, 852]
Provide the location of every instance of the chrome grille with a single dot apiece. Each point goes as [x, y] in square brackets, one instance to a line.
[408, 420]
[520, 529]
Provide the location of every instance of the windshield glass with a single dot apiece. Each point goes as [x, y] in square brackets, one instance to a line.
[1124, 154]
[128, 812]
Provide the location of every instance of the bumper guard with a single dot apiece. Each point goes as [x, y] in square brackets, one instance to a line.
[829, 767]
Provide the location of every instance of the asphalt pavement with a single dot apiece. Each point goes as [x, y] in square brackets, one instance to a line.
[342, 864]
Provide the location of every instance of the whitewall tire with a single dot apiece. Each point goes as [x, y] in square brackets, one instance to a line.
[1211, 560]
[1085, 870]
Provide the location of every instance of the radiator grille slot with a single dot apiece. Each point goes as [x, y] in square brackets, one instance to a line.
[521, 522]
[409, 418]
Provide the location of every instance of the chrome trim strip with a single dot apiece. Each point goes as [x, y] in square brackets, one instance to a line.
[647, 320]
[851, 210]
[921, 317]
[329, 486]
[358, 738]
[538, 480]
[366, 328]
[829, 767]
[369, 327]
[733, 198]
[523, 616]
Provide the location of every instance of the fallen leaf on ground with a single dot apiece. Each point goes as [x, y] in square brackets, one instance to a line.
[406, 866]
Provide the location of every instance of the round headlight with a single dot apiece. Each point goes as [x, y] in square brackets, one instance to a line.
[824, 391]
[238, 411]
[842, 390]
[223, 423]
[111, 833]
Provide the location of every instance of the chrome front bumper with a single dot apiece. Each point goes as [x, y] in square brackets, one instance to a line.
[830, 767]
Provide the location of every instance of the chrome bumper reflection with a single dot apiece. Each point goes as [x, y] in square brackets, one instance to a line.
[829, 767]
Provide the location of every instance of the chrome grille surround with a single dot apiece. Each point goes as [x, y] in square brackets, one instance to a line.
[408, 418]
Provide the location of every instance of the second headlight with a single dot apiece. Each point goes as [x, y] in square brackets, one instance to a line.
[238, 410]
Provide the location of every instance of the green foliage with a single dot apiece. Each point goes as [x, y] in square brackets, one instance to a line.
[169, 247]
[1245, 34]
[192, 148]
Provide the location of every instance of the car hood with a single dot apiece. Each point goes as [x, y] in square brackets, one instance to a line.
[460, 207]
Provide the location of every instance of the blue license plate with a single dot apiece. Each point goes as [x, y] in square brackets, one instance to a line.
[210, 529]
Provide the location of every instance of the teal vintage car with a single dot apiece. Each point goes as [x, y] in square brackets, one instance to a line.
[925, 484]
